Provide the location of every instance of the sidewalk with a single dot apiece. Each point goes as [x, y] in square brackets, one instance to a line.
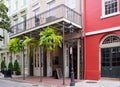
[52, 82]
[100, 83]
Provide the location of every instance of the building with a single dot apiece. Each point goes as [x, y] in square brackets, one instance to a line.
[102, 39]
[30, 17]
[4, 54]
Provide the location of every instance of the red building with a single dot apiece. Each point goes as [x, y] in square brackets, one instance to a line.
[102, 39]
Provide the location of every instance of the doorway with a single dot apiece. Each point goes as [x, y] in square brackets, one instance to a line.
[110, 56]
[36, 61]
[110, 62]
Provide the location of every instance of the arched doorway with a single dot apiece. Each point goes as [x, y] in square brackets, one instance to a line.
[110, 56]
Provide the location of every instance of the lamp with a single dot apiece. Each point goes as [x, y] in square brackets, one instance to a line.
[71, 29]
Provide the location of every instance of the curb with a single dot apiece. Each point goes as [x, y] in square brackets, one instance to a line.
[35, 84]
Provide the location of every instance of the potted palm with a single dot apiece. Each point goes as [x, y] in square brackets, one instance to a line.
[31, 43]
[15, 45]
[50, 39]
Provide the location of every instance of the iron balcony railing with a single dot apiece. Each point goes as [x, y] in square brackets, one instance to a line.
[53, 14]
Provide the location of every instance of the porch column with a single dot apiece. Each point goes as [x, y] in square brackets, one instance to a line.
[66, 61]
[6, 59]
[78, 59]
[49, 64]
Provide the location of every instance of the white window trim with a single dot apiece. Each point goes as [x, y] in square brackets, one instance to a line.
[109, 44]
[48, 1]
[109, 15]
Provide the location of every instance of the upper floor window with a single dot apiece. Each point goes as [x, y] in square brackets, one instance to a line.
[24, 2]
[51, 5]
[71, 3]
[4, 37]
[9, 6]
[16, 25]
[24, 22]
[37, 17]
[110, 8]
[16, 21]
[16, 4]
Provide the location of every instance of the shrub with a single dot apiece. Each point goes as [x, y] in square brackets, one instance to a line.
[10, 66]
[3, 66]
[16, 67]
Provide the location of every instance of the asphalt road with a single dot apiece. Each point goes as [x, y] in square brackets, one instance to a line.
[7, 83]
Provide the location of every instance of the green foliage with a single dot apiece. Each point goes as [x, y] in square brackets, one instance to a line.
[3, 65]
[16, 66]
[10, 66]
[50, 39]
[4, 19]
[15, 45]
[30, 41]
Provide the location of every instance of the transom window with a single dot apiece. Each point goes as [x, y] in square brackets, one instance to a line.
[111, 39]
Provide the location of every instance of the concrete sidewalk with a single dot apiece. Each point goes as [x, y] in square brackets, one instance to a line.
[84, 83]
[100, 83]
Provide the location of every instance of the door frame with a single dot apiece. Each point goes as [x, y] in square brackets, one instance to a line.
[109, 45]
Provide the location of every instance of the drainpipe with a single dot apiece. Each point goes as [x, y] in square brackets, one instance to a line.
[63, 70]
[82, 38]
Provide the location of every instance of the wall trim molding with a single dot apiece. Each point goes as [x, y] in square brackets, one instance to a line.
[102, 31]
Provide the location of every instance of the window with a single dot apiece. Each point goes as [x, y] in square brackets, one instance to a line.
[4, 37]
[111, 55]
[37, 17]
[111, 39]
[24, 22]
[16, 25]
[110, 8]
[24, 2]
[51, 5]
[9, 6]
[16, 4]
[71, 3]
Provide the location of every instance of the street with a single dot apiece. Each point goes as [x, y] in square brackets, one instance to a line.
[7, 83]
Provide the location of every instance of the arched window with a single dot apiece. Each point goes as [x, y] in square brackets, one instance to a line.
[111, 39]
[110, 56]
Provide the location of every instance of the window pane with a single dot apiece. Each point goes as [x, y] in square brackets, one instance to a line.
[111, 6]
[105, 57]
[115, 56]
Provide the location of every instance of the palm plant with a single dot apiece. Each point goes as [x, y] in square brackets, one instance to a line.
[50, 39]
[15, 45]
[30, 42]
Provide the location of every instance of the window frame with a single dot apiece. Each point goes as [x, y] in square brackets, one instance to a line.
[111, 14]
[9, 6]
[16, 4]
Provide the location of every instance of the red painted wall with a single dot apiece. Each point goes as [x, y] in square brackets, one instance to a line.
[92, 55]
[93, 13]
[93, 22]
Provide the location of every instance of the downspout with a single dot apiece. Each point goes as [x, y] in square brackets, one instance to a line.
[82, 38]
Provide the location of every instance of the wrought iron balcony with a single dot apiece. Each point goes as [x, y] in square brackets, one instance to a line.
[52, 15]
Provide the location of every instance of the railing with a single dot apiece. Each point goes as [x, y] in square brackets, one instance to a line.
[53, 14]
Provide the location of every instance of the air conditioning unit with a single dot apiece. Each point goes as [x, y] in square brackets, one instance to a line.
[50, 18]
